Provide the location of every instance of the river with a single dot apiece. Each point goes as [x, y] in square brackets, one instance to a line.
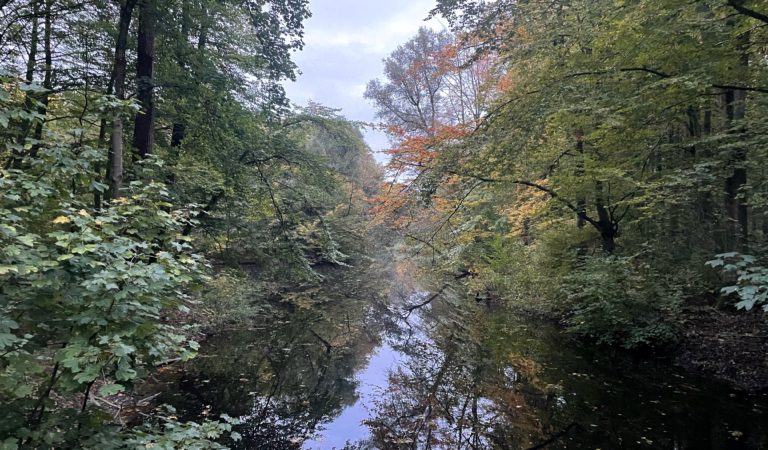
[345, 367]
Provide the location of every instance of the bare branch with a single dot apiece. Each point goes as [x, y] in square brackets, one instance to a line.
[738, 5]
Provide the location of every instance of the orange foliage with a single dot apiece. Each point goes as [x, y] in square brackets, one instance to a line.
[470, 83]
[415, 154]
[529, 203]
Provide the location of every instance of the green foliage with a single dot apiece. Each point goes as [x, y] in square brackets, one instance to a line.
[751, 284]
[621, 145]
[167, 433]
[97, 282]
[515, 273]
[170, 434]
[86, 293]
[229, 300]
[618, 301]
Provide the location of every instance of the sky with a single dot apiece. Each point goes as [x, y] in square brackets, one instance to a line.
[346, 41]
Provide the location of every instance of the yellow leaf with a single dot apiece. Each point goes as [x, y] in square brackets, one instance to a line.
[84, 213]
[61, 220]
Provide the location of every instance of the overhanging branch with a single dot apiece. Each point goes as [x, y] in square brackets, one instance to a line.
[738, 5]
[552, 194]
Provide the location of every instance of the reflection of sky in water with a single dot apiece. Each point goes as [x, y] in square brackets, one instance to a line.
[529, 383]
[373, 383]
[348, 425]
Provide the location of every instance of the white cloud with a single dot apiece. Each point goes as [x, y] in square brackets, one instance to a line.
[378, 38]
[346, 41]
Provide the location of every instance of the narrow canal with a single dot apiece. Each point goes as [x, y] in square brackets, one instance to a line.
[347, 368]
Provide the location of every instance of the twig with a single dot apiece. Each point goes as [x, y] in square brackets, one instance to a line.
[556, 436]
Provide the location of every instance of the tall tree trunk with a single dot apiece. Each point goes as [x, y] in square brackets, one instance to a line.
[202, 40]
[116, 151]
[143, 132]
[33, 41]
[179, 130]
[42, 108]
[699, 125]
[581, 202]
[737, 212]
[101, 143]
[29, 76]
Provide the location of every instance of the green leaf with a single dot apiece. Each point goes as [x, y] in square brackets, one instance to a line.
[8, 339]
[125, 373]
[9, 444]
[747, 304]
[27, 240]
[5, 269]
[729, 290]
[111, 389]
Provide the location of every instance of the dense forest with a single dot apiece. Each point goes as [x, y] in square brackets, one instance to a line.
[585, 159]
[595, 165]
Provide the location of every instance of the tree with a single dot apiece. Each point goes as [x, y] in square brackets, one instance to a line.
[144, 129]
[603, 138]
[89, 288]
[118, 75]
[411, 97]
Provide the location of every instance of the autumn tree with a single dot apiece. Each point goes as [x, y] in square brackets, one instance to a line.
[600, 144]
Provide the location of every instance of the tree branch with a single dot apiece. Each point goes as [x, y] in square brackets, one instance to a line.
[738, 6]
[661, 74]
[741, 88]
[553, 194]
[658, 73]
[426, 302]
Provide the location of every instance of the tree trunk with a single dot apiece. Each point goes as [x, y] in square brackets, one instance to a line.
[42, 108]
[116, 152]
[29, 76]
[143, 132]
[202, 40]
[737, 213]
[605, 225]
[101, 143]
[177, 134]
[179, 130]
[581, 204]
[33, 41]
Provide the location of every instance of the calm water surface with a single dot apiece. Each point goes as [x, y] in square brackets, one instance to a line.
[345, 369]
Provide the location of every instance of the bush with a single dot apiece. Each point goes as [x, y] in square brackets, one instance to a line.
[514, 272]
[620, 301]
[751, 285]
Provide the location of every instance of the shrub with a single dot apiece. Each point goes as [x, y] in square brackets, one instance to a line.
[620, 301]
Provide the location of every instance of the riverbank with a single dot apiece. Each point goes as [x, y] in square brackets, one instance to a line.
[719, 343]
[728, 345]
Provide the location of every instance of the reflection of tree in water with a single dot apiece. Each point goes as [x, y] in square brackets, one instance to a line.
[453, 392]
[475, 379]
[292, 371]
[467, 378]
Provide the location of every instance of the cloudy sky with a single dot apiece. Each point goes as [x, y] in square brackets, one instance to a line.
[346, 41]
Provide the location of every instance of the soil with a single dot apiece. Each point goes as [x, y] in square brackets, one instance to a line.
[726, 344]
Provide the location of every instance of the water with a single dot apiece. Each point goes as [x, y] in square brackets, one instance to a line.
[348, 426]
[345, 370]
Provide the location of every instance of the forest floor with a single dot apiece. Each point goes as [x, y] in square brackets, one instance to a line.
[729, 345]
